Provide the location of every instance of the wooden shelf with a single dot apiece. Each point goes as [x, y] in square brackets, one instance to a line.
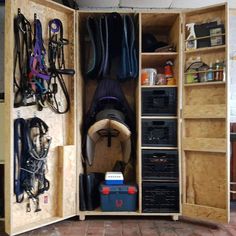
[204, 111]
[159, 53]
[205, 144]
[202, 71]
[159, 86]
[156, 59]
[131, 213]
[161, 180]
[159, 117]
[160, 148]
[98, 211]
[205, 84]
[207, 49]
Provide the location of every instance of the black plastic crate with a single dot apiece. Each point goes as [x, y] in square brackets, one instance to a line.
[159, 132]
[160, 197]
[160, 165]
[159, 101]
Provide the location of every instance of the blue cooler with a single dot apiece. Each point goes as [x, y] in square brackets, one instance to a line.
[118, 197]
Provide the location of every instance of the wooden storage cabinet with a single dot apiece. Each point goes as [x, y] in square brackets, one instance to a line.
[202, 141]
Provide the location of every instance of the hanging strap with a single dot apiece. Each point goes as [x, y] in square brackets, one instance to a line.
[37, 60]
[20, 149]
[57, 68]
[31, 146]
[24, 95]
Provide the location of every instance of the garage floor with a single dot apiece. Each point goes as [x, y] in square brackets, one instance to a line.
[97, 226]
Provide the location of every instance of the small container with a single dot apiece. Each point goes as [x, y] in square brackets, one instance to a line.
[217, 72]
[210, 75]
[148, 76]
[161, 79]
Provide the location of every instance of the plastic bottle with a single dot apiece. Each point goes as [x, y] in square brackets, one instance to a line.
[224, 72]
[210, 76]
[169, 73]
[191, 44]
[217, 72]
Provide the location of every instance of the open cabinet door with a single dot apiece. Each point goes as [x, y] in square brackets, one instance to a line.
[59, 202]
[205, 123]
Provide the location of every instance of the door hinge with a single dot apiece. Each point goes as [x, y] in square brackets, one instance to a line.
[180, 113]
[182, 28]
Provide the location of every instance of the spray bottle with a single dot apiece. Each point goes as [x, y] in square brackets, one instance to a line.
[191, 42]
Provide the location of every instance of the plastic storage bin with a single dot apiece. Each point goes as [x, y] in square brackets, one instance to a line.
[159, 101]
[158, 132]
[118, 197]
[160, 197]
[160, 165]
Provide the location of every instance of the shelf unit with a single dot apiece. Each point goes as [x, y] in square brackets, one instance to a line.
[171, 34]
[205, 132]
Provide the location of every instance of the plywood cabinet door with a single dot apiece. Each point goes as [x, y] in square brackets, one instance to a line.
[60, 201]
[205, 125]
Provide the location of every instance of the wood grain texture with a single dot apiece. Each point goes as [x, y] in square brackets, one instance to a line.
[61, 127]
[67, 177]
[204, 111]
[205, 95]
[205, 128]
[205, 213]
[204, 144]
[209, 178]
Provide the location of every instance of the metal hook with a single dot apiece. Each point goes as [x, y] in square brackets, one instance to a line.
[19, 11]
[35, 114]
[35, 16]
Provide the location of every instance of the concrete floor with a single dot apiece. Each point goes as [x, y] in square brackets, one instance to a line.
[141, 226]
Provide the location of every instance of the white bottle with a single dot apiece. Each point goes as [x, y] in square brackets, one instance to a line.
[191, 42]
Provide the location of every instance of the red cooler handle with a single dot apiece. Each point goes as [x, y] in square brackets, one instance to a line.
[131, 190]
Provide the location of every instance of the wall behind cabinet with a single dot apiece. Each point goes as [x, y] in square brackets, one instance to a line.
[232, 64]
[2, 15]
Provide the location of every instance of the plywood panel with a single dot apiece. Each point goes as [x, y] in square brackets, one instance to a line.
[204, 144]
[206, 15]
[205, 128]
[61, 127]
[207, 172]
[204, 111]
[206, 95]
[174, 34]
[67, 182]
[157, 23]
[205, 213]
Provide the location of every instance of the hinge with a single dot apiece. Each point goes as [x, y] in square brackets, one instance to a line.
[180, 113]
[181, 27]
[181, 197]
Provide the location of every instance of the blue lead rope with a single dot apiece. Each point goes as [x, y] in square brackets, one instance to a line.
[30, 159]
